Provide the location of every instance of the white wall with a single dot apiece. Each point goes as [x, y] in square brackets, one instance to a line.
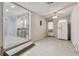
[55, 27]
[38, 32]
[1, 23]
[75, 27]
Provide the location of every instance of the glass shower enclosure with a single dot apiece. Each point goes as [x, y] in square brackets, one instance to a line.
[16, 25]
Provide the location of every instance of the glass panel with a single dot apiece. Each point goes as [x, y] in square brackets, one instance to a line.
[50, 26]
[15, 25]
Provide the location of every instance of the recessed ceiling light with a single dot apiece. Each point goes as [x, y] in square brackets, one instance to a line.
[12, 6]
[6, 10]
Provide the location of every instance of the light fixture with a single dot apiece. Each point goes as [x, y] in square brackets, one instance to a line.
[12, 6]
[6, 10]
[55, 15]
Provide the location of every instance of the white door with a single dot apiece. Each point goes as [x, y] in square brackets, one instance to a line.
[62, 32]
[59, 31]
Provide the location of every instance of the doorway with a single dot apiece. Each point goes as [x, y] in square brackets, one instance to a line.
[50, 28]
[62, 29]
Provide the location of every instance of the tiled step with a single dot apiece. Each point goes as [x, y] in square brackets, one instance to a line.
[17, 50]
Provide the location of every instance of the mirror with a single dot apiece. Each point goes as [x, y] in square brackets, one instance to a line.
[15, 25]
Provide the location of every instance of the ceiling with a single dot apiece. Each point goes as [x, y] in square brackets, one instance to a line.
[46, 9]
[12, 9]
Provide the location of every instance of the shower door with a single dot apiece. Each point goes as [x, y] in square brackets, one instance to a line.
[16, 25]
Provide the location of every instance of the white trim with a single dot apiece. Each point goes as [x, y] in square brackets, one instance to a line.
[29, 25]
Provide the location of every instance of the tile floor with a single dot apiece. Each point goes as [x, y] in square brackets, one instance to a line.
[50, 46]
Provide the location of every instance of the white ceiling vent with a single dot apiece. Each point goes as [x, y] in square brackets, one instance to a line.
[50, 2]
